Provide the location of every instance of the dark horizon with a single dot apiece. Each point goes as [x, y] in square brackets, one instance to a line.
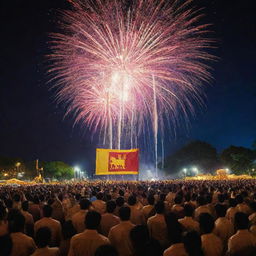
[32, 125]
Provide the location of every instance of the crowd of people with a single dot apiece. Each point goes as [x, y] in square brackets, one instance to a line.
[161, 218]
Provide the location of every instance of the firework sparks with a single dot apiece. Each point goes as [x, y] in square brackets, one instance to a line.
[119, 64]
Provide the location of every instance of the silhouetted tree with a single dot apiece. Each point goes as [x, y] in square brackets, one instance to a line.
[197, 153]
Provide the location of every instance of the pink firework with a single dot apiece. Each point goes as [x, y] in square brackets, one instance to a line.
[123, 66]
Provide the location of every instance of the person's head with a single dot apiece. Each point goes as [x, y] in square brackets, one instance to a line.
[206, 222]
[68, 230]
[16, 221]
[47, 211]
[77, 197]
[35, 200]
[193, 244]
[174, 228]
[106, 250]
[132, 200]
[232, 202]
[159, 207]
[162, 197]
[121, 192]
[178, 199]
[120, 201]
[151, 200]
[99, 196]
[92, 220]
[139, 236]
[16, 198]
[253, 206]
[241, 221]
[43, 237]
[220, 210]
[201, 200]
[3, 211]
[25, 206]
[239, 199]
[124, 213]
[6, 245]
[84, 204]
[221, 198]
[9, 203]
[110, 206]
[188, 210]
[187, 197]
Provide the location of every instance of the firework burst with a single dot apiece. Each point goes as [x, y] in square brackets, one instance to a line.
[123, 66]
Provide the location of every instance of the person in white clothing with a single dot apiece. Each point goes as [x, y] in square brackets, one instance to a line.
[99, 205]
[79, 217]
[52, 224]
[177, 248]
[188, 223]
[224, 228]
[157, 225]
[119, 235]
[87, 242]
[108, 219]
[243, 240]
[43, 239]
[137, 217]
[211, 244]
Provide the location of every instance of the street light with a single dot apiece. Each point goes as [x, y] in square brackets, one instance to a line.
[185, 171]
[195, 170]
[77, 171]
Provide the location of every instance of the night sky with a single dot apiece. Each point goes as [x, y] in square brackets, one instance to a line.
[32, 125]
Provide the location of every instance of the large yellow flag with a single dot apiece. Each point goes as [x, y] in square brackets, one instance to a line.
[114, 161]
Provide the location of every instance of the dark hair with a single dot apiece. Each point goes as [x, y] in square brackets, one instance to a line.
[142, 243]
[68, 230]
[106, 250]
[241, 220]
[3, 211]
[253, 206]
[193, 244]
[110, 206]
[35, 200]
[232, 202]
[132, 200]
[174, 228]
[221, 198]
[188, 210]
[120, 201]
[47, 211]
[220, 210]
[239, 199]
[151, 200]
[6, 245]
[16, 197]
[25, 205]
[99, 196]
[124, 213]
[178, 199]
[187, 197]
[16, 221]
[43, 237]
[121, 192]
[139, 236]
[92, 220]
[206, 223]
[201, 200]
[84, 204]
[159, 207]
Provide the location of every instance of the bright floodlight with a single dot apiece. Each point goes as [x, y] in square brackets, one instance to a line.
[77, 169]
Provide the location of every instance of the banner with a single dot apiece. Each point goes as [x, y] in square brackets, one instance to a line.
[114, 161]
